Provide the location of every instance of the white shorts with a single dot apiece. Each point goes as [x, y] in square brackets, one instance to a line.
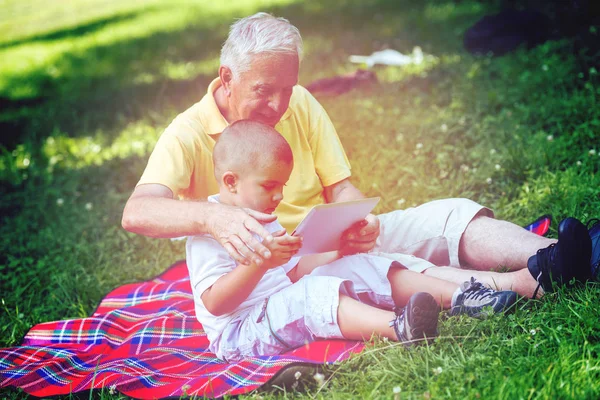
[307, 310]
[428, 235]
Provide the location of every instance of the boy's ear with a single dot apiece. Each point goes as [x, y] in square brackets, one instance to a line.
[226, 76]
[230, 181]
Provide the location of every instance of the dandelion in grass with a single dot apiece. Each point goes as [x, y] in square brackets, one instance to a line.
[498, 167]
[532, 332]
[488, 181]
[396, 391]
[444, 128]
[319, 378]
[437, 370]
[88, 206]
[550, 138]
[592, 152]
[492, 151]
[419, 146]
[60, 202]
[578, 163]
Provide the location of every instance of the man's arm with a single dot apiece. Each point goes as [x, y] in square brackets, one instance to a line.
[361, 237]
[152, 211]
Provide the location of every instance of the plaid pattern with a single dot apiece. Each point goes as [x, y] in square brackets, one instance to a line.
[541, 225]
[144, 341]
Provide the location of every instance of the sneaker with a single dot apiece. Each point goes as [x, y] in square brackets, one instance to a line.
[565, 260]
[594, 232]
[417, 320]
[476, 298]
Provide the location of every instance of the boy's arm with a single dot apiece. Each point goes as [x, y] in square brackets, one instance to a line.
[308, 263]
[231, 289]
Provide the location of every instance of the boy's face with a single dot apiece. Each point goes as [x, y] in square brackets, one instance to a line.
[262, 189]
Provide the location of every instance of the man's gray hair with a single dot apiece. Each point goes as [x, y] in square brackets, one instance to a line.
[256, 34]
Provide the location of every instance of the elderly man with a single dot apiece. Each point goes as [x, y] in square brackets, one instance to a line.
[451, 239]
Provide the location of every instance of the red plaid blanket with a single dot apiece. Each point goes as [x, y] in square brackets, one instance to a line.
[144, 341]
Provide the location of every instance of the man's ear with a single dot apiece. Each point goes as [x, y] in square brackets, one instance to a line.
[226, 76]
[230, 181]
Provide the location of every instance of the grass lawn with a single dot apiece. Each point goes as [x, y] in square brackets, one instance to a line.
[87, 86]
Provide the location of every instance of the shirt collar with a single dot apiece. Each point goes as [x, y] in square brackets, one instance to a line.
[215, 121]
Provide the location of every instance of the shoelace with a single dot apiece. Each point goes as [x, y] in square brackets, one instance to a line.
[545, 257]
[476, 290]
[397, 322]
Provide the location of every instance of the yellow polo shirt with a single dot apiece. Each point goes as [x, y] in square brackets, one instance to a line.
[182, 158]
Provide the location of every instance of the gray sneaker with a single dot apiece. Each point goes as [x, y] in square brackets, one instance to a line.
[475, 298]
[418, 320]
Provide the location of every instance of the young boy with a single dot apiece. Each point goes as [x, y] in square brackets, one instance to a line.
[247, 310]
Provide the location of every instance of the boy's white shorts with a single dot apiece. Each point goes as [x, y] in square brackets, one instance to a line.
[307, 310]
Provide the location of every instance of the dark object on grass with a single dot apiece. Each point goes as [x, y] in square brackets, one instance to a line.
[506, 31]
[341, 84]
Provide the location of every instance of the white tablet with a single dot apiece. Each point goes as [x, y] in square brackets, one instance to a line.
[324, 224]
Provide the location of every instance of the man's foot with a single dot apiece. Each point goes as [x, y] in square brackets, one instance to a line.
[565, 260]
[476, 298]
[593, 226]
[417, 320]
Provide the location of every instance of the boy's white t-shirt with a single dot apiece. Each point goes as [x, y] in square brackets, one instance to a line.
[207, 261]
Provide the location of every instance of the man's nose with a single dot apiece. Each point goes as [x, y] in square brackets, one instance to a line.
[275, 102]
[278, 196]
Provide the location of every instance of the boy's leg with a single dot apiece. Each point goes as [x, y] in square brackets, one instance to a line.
[416, 321]
[470, 297]
[405, 283]
[359, 321]
[519, 281]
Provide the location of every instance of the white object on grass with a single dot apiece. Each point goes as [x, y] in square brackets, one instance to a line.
[389, 57]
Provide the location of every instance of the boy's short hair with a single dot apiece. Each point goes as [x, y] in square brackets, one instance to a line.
[246, 145]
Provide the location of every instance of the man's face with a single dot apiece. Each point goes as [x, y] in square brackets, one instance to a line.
[263, 92]
[261, 189]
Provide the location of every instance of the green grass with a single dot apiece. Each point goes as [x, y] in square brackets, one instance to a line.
[87, 87]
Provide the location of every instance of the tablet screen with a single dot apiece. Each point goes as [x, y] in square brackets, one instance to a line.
[323, 226]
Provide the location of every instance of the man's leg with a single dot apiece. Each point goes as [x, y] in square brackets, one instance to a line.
[489, 243]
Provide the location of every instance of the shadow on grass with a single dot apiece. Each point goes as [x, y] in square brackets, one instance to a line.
[104, 88]
[73, 32]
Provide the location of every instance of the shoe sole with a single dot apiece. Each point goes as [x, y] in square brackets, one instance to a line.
[580, 250]
[421, 317]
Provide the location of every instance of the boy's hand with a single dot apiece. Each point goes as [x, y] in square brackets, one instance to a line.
[283, 248]
[360, 237]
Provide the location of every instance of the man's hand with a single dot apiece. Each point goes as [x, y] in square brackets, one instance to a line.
[283, 248]
[232, 227]
[360, 237]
